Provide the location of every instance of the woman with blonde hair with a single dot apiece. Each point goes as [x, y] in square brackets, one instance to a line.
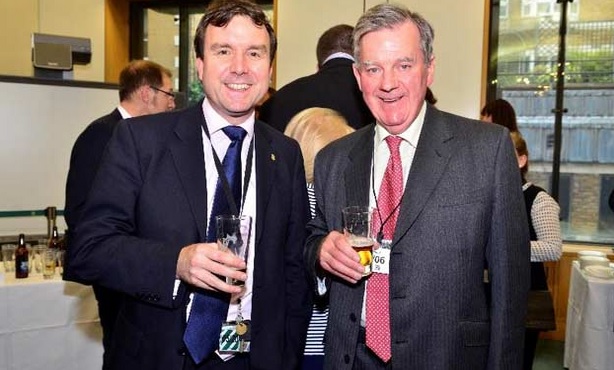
[314, 128]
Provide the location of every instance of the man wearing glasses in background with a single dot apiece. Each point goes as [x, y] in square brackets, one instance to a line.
[145, 88]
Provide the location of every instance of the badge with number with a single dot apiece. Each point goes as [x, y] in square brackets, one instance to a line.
[381, 257]
[235, 337]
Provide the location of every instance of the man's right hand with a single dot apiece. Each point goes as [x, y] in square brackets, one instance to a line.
[337, 256]
[203, 264]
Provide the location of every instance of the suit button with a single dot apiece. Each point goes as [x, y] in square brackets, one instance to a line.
[352, 317]
[346, 358]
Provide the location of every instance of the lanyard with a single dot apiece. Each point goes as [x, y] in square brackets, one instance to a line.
[222, 175]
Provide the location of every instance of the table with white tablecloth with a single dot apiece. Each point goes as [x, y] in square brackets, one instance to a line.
[48, 325]
[589, 337]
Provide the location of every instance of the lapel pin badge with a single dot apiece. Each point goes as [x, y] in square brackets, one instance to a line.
[272, 157]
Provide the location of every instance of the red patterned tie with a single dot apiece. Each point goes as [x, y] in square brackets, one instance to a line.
[378, 307]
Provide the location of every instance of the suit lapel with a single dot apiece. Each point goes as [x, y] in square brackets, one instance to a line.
[432, 155]
[187, 151]
[359, 168]
[265, 170]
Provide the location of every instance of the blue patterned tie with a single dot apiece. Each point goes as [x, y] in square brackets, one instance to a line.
[209, 308]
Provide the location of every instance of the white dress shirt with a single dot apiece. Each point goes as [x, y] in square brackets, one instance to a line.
[381, 154]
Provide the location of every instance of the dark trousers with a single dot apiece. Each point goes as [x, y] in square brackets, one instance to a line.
[530, 344]
[313, 362]
[214, 362]
[365, 359]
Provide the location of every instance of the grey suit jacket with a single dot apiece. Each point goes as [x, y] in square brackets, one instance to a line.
[462, 211]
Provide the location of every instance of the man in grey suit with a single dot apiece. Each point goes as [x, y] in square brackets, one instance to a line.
[459, 211]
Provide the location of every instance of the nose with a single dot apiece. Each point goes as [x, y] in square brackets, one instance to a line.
[238, 65]
[171, 104]
[389, 80]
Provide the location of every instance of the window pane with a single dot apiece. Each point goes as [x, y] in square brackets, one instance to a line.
[161, 38]
[526, 71]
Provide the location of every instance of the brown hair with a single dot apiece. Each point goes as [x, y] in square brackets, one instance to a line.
[141, 73]
[314, 128]
[502, 113]
[219, 13]
[334, 40]
[521, 149]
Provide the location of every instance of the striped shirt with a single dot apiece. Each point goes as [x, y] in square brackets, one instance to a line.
[319, 317]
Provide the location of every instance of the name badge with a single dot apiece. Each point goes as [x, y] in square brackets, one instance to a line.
[235, 337]
[381, 257]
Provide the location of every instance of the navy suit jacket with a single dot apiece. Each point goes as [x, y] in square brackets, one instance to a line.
[84, 160]
[149, 201]
[462, 210]
[333, 86]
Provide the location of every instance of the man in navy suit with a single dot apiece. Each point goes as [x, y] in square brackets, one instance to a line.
[447, 204]
[145, 222]
[333, 86]
[145, 87]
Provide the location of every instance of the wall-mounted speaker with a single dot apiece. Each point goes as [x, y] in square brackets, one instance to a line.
[52, 56]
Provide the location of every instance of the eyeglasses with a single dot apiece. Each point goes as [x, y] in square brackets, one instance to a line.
[170, 94]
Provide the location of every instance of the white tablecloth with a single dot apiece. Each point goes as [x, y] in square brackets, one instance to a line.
[589, 336]
[48, 325]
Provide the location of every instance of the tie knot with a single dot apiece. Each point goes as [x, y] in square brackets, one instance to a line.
[393, 143]
[235, 132]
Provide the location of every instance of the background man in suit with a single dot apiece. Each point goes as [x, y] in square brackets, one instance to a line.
[447, 199]
[145, 87]
[333, 86]
[146, 232]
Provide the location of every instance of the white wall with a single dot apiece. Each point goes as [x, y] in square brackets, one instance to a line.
[459, 37]
[39, 126]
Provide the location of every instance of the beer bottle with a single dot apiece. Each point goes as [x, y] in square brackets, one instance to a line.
[54, 239]
[21, 258]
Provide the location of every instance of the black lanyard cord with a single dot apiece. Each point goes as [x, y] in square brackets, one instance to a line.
[380, 232]
[222, 175]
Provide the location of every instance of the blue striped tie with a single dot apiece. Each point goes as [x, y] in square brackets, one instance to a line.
[209, 309]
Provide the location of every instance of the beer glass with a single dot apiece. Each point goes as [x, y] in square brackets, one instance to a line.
[357, 228]
[233, 235]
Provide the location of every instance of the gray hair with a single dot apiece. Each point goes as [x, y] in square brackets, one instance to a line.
[388, 16]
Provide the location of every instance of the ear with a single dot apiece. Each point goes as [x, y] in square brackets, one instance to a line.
[144, 94]
[200, 64]
[522, 160]
[357, 75]
[430, 75]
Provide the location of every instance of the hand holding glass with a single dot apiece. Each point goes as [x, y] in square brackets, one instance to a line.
[357, 227]
[233, 233]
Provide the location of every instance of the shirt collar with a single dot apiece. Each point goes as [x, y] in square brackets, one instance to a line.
[124, 113]
[410, 135]
[215, 122]
[339, 54]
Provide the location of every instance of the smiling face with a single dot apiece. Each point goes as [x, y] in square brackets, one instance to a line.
[393, 75]
[236, 68]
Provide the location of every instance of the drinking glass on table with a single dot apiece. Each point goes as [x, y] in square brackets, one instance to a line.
[233, 233]
[357, 228]
[49, 259]
[8, 256]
